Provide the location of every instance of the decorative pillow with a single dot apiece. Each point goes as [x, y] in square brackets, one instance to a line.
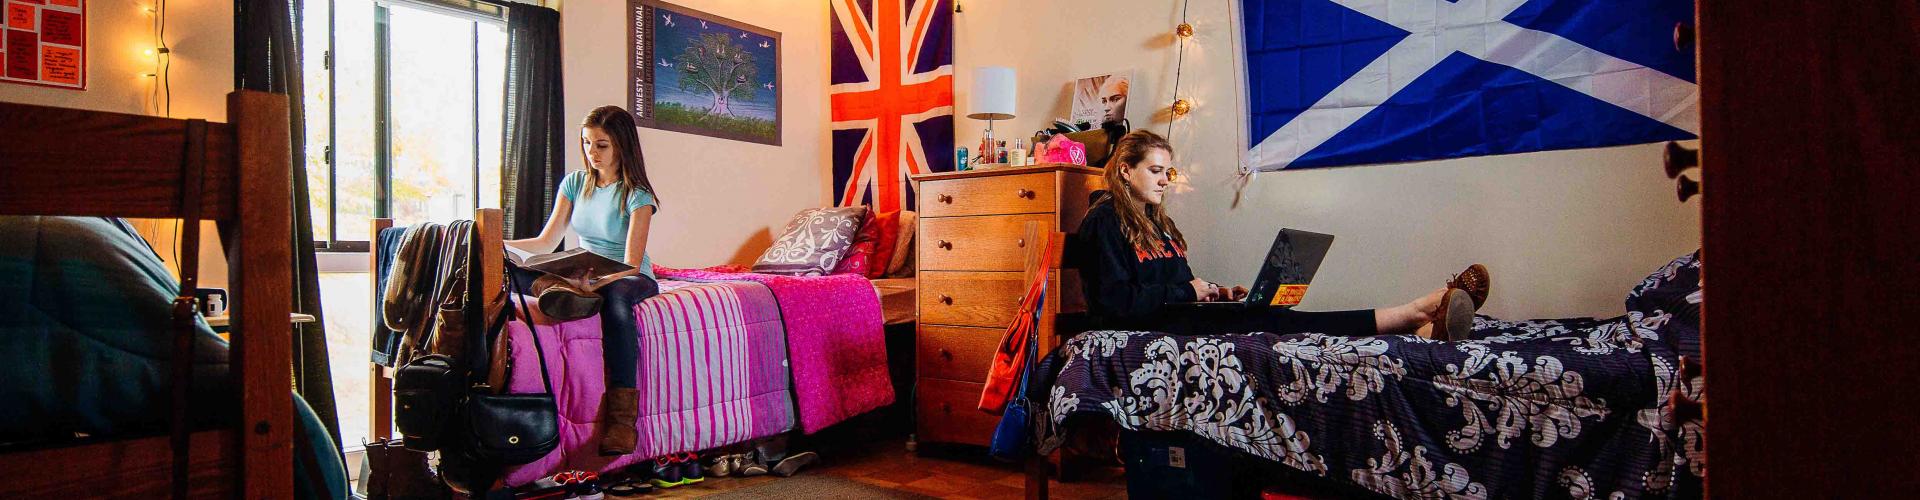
[901, 265]
[860, 258]
[883, 250]
[815, 241]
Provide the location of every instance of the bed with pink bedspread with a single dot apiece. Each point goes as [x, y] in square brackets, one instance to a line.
[724, 358]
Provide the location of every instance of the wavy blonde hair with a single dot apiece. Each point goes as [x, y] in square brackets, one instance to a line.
[1137, 222]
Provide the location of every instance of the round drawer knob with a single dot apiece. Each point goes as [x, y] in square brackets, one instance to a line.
[945, 198]
[1022, 242]
[946, 299]
[946, 408]
[946, 354]
[945, 245]
[1026, 193]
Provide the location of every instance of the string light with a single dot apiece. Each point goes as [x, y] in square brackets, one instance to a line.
[1181, 106]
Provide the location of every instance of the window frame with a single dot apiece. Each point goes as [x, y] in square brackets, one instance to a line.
[475, 12]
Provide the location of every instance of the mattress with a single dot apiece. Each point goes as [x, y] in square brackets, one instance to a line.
[897, 299]
[712, 371]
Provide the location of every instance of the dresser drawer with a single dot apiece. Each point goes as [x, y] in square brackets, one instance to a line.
[1002, 194]
[983, 243]
[956, 352]
[945, 412]
[970, 298]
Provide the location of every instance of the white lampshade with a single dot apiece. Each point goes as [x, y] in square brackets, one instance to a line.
[993, 93]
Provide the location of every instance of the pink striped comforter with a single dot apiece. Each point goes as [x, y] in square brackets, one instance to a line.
[712, 372]
[835, 335]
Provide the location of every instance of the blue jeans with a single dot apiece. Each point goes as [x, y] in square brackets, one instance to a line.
[619, 330]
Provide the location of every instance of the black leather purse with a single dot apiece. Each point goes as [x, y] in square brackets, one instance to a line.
[514, 429]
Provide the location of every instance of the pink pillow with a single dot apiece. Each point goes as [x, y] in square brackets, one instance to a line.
[859, 258]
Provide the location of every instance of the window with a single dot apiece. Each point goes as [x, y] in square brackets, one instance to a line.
[404, 115]
[404, 120]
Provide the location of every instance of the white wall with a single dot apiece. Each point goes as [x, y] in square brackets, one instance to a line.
[200, 36]
[1565, 233]
[722, 201]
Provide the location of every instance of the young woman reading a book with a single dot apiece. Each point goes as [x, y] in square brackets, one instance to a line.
[1133, 265]
[609, 205]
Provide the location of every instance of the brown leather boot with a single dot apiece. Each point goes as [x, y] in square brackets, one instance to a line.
[408, 477]
[375, 480]
[619, 408]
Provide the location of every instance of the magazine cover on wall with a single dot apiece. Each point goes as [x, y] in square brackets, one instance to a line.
[45, 43]
[703, 74]
[1101, 99]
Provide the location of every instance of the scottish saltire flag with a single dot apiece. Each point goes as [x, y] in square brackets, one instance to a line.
[892, 101]
[1344, 82]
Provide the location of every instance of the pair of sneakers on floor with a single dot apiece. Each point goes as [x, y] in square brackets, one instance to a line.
[674, 471]
[752, 464]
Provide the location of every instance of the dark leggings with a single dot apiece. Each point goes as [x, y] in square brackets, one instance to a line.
[1196, 320]
[619, 330]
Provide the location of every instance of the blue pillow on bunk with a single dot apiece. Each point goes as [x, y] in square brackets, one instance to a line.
[85, 331]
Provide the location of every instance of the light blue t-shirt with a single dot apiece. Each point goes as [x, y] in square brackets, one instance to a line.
[601, 221]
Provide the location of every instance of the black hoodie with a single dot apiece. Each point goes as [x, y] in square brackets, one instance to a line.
[1125, 285]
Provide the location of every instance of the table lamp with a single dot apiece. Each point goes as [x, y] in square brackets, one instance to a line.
[992, 99]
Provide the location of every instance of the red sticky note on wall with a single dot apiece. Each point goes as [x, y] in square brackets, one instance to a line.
[59, 65]
[20, 16]
[65, 28]
[23, 55]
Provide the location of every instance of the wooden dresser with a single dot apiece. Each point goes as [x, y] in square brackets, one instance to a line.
[971, 254]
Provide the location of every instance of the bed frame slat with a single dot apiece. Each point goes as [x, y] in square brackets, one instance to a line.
[58, 161]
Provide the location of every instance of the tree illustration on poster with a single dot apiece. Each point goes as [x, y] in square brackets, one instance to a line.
[45, 43]
[703, 74]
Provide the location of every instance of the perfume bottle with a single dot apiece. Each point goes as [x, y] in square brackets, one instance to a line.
[1018, 155]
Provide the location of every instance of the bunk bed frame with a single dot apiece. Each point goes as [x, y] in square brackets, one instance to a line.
[57, 161]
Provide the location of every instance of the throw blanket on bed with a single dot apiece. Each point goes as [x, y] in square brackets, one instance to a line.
[834, 336]
[1554, 408]
[712, 373]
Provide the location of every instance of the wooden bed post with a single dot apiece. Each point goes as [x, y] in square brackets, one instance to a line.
[382, 390]
[1039, 240]
[262, 351]
[489, 228]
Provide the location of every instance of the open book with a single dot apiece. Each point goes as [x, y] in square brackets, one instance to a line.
[583, 269]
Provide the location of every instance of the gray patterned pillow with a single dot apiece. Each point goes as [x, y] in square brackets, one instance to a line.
[815, 241]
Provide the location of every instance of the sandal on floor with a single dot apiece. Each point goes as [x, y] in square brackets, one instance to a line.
[749, 465]
[792, 464]
[1454, 320]
[629, 487]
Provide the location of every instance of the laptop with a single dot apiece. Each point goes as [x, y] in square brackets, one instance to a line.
[1285, 273]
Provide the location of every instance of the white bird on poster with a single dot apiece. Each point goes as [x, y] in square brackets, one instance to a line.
[703, 24]
[668, 18]
[743, 35]
[665, 64]
[768, 85]
[764, 44]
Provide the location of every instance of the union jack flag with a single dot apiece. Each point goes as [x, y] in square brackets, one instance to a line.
[892, 98]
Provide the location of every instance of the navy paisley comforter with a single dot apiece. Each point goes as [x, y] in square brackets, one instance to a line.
[1572, 408]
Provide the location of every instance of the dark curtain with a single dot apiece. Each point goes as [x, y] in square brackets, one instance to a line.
[533, 149]
[266, 41]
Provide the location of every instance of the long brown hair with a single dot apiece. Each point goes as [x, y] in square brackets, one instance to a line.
[618, 125]
[1141, 223]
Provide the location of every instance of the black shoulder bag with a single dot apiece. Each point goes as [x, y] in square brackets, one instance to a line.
[513, 429]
